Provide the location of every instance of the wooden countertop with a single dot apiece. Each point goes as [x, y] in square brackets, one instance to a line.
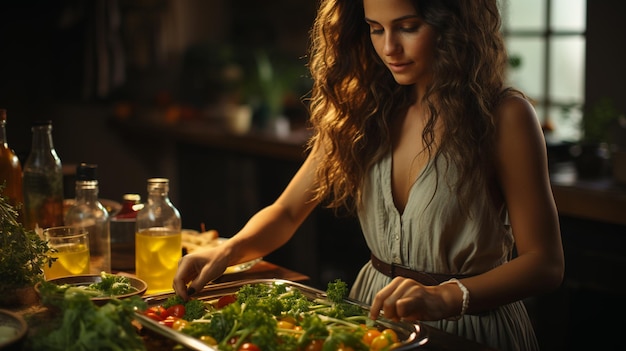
[602, 199]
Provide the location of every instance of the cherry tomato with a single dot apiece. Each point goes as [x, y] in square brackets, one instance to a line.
[176, 311]
[379, 343]
[285, 325]
[391, 335]
[179, 324]
[233, 340]
[395, 345]
[153, 316]
[314, 345]
[248, 346]
[343, 347]
[209, 340]
[226, 300]
[370, 335]
[157, 312]
[169, 321]
[289, 319]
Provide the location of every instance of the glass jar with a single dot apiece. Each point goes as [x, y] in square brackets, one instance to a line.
[43, 181]
[123, 233]
[87, 212]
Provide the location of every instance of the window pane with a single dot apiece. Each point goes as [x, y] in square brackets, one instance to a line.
[525, 14]
[566, 123]
[569, 15]
[528, 77]
[567, 69]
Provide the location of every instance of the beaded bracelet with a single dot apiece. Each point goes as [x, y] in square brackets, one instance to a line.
[465, 298]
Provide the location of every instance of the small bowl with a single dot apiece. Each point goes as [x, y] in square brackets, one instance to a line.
[13, 329]
[88, 279]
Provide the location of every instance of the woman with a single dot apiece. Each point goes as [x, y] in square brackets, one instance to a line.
[446, 168]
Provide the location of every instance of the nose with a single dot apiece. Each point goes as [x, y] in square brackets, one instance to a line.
[391, 44]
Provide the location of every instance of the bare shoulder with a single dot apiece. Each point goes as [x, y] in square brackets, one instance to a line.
[520, 143]
[516, 111]
[516, 119]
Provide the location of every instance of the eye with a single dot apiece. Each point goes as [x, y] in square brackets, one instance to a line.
[376, 29]
[410, 28]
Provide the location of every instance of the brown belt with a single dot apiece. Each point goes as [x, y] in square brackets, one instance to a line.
[394, 270]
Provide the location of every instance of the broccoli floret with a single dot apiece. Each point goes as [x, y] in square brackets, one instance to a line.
[337, 291]
[173, 300]
[194, 309]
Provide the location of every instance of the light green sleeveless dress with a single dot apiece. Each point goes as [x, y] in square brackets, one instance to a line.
[433, 235]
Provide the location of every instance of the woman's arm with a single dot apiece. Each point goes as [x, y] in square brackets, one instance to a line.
[522, 172]
[266, 231]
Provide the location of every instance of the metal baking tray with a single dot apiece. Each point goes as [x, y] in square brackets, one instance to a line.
[412, 334]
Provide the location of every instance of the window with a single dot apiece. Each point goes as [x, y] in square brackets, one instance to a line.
[546, 41]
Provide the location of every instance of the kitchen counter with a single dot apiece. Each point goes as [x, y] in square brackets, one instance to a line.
[600, 199]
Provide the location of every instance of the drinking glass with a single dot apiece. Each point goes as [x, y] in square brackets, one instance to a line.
[72, 251]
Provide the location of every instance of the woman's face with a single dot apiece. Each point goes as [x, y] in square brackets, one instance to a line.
[403, 41]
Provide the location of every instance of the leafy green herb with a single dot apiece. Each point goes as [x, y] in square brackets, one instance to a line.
[109, 285]
[113, 284]
[22, 252]
[85, 326]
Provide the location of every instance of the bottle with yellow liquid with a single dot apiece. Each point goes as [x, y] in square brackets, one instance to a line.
[158, 245]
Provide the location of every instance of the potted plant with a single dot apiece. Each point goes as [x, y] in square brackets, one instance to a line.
[592, 154]
[22, 256]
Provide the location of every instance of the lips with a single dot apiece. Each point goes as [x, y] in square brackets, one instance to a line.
[398, 66]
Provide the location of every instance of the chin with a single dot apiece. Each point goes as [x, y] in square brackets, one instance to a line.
[404, 81]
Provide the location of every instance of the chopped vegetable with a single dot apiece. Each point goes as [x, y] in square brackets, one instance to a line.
[277, 317]
[194, 308]
[110, 285]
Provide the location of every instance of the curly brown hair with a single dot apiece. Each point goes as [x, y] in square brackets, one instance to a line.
[354, 96]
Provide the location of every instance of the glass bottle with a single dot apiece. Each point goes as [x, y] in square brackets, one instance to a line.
[123, 233]
[10, 170]
[158, 246]
[87, 212]
[43, 181]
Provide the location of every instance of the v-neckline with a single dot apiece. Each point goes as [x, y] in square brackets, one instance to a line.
[388, 183]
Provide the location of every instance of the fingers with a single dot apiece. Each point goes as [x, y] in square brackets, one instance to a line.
[182, 277]
[191, 268]
[400, 300]
[381, 300]
[206, 275]
[194, 272]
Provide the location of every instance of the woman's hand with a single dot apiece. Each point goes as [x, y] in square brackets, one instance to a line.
[199, 268]
[407, 300]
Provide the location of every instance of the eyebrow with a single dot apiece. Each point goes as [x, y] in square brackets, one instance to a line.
[399, 19]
